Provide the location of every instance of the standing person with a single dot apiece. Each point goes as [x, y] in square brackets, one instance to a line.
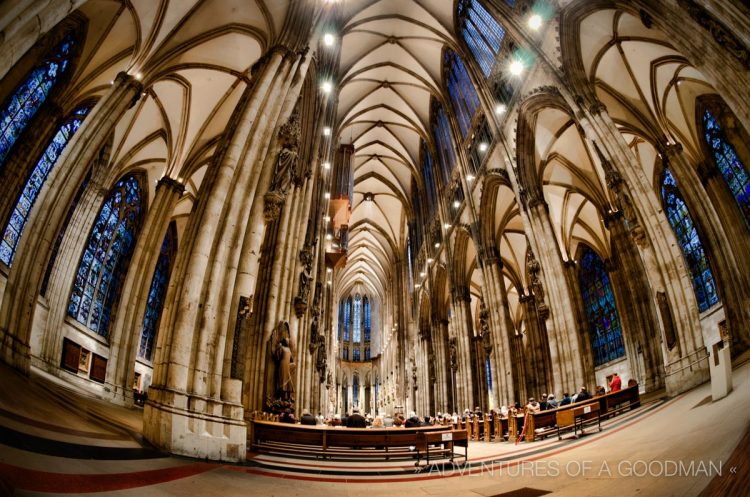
[615, 384]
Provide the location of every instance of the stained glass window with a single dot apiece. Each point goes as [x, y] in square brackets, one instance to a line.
[31, 94]
[105, 260]
[366, 308]
[355, 353]
[730, 165]
[34, 184]
[481, 32]
[347, 318]
[601, 311]
[461, 90]
[488, 371]
[158, 292]
[345, 353]
[357, 321]
[690, 243]
[443, 140]
[341, 319]
[367, 355]
[355, 391]
[428, 176]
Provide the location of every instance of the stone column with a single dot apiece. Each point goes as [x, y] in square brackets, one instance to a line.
[564, 346]
[195, 408]
[45, 221]
[126, 330]
[661, 255]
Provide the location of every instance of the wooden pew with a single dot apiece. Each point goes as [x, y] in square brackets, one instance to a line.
[331, 442]
[577, 417]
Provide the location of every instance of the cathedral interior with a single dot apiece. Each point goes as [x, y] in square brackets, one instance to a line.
[216, 212]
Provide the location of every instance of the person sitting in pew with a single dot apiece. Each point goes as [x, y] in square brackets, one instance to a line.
[582, 395]
[551, 401]
[307, 419]
[533, 406]
[565, 400]
[543, 403]
[378, 422]
[412, 422]
[287, 417]
[356, 420]
[600, 391]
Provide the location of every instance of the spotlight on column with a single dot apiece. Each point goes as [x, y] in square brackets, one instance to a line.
[326, 218]
[326, 165]
[437, 245]
[416, 286]
[326, 195]
[516, 67]
[329, 237]
[430, 260]
[447, 226]
[327, 87]
[422, 274]
[329, 39]
[470, 178]
[456, 204]
[327, 131]
[535, 22]
[483, 147]
[500, 109]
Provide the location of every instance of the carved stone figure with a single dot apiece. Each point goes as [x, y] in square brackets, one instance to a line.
[453, 352]
[283, 355]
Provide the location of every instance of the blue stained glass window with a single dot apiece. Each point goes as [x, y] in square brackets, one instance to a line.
[461, 90]
[601, 311]
[726, 159]
[355, 352]
[347, 318]
[481, 32]
[105, 260]
[357, 321]
[367, 356]
[345, 353]
[158, 292]
[341, 318]
[355, 391]
[488, 371]
[31, 94]
[690, 243]
[428, 176]
[34, 184]
[443, 141]
[366, 306]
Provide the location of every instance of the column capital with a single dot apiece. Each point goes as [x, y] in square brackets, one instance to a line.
[171, 184]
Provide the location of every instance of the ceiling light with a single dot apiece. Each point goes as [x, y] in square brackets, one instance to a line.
[422, 274]
[469, 178]
[456, 204]
[416, 286]
[327, 131]
[326, 218]
[327, 86]
[326, 195]
[329, 282]
[500, 109]
[535, 22]
[483, 147]
[429, 261]
[516, 67]
[326, 165]
[447, 226]
[329, 39]
[437, 245]
[329, 237]
[328, 270]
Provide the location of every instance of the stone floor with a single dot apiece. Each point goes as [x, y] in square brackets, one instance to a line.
[56, 441]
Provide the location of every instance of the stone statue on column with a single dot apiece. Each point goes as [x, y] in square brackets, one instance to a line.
[284, 168]
[282, 352]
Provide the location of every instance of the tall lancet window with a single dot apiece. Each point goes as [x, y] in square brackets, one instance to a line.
[34, 184]
[441, 131]
[690, 243]
[158, 292]
[601, 312]
[29, 96]
[481, 32]
[730, 165]
[105, 261]
[461, 90]
[367, 318]
[357, 321]
[346, 324]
